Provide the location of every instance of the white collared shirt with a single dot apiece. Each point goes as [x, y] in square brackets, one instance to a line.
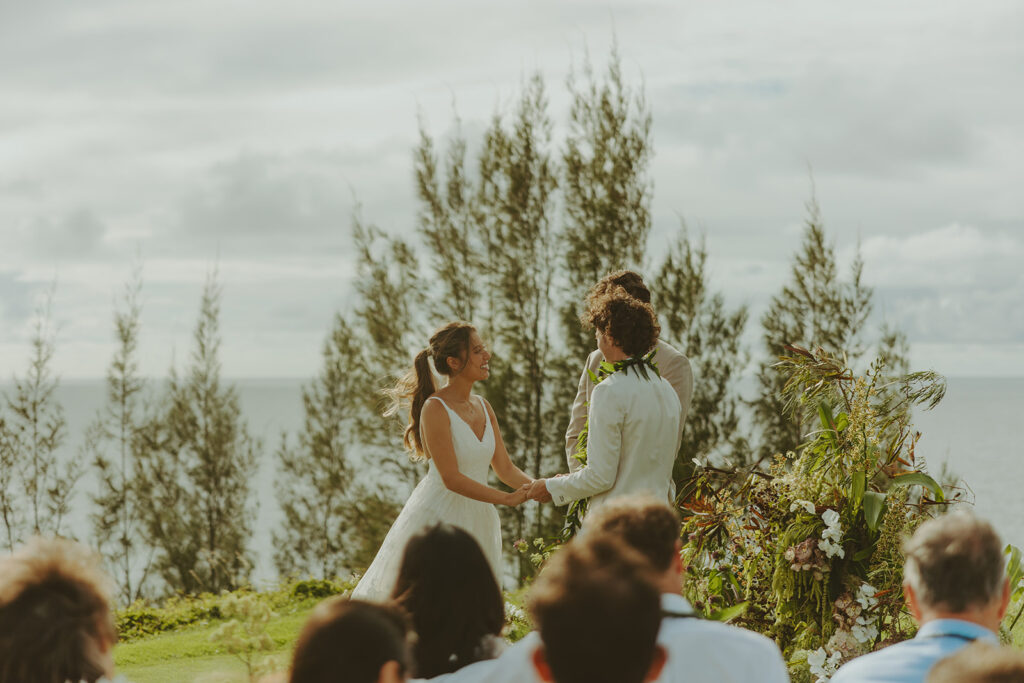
[699, 651]
[632, 440]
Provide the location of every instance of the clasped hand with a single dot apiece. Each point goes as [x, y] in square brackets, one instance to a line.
[537, 490]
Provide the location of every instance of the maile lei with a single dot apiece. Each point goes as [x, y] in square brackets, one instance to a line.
[642, 366]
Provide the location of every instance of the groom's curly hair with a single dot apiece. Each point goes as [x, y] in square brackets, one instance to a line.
[629, 322]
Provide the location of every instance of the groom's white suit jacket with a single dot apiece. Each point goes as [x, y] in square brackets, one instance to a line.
[699, 651]
[632, 441]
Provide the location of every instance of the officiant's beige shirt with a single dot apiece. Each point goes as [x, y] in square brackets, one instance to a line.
[674, 368]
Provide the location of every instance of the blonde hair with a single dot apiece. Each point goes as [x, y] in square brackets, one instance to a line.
[54, 614]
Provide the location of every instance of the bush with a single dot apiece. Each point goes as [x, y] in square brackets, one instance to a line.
[140, 619]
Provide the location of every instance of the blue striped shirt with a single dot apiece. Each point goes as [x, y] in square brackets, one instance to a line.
[910, 661]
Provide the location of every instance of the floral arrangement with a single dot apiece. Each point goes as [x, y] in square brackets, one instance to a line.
[809, 551]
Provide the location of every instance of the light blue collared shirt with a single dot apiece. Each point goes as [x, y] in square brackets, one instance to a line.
[910, 661]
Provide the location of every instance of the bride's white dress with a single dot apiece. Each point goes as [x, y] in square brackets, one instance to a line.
[431, 502]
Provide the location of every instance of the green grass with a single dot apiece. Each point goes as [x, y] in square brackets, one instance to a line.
[188, 655]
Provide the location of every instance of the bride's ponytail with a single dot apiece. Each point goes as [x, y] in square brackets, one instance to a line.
[416, 386]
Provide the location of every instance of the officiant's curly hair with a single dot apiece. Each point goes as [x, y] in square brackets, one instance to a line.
[629, 280]
[628, 321]
[416, 386]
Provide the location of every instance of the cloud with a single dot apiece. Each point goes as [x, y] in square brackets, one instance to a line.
[78, 234]
[955, 283]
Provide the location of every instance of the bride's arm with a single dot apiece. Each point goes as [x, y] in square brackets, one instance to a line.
[437, 434]
[501, 463]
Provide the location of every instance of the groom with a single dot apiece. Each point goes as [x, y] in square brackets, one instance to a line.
[673, 366]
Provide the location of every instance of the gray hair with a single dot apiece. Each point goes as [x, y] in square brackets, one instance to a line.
[954, 562]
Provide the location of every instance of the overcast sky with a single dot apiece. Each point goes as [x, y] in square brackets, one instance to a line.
[192, 133]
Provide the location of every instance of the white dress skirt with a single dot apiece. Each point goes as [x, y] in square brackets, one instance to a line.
[431, 502]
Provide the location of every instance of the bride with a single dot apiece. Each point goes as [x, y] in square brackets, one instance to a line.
[457, 433]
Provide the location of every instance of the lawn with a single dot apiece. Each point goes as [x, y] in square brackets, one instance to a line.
[189, 655]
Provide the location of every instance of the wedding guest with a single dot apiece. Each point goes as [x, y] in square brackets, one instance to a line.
[673, 365]
[980, 662]
[699, 650]
[448, 590]
[55, 619]
[955, 586]
[597, 611]
[352, 641]
[633, 423]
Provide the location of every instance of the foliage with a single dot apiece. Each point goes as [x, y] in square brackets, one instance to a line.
[317, 491]
[814, 307]
[696, 319]
[111, 443]
[197, 469]
[37, 480]
[814, 544]
[245, 634]
[141, 619]
[390, 327]
[605, 187]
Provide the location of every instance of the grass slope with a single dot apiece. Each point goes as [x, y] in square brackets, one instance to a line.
[188, 654]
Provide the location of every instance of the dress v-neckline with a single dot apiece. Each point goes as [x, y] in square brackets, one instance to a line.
[487, 421]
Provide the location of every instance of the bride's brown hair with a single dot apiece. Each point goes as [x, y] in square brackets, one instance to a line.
[416, 386]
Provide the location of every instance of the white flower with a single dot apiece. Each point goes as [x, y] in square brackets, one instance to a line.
[864, 632]
[822, 665]
[866, 596]
[802, 504]
[816, 660]
[831, 517]
[831, 549]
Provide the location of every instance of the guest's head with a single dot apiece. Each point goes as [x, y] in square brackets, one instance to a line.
[954, 568]
[647, 525]
[453, 348]
[449, 591]
[55, 618]
[629, 280]
[598, 612]
[622, 323]
[980, 662]
[352, 641]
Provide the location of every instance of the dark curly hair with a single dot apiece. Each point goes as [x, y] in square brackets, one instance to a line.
[629, 322]
[629, 280]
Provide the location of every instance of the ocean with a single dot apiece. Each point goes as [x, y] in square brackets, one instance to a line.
[973, 432]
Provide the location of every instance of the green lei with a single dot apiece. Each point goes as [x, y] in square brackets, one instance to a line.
[642, 366]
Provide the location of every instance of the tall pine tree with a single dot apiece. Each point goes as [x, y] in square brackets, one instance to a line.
[332, 522]
[112, 443]
[39, 477]
[814, 309]
[605, 188]
[695, 319]
[199, 470]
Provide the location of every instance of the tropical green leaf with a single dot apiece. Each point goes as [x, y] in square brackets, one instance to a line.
[863, 553]
[828, 423]
[1014, 570]
[858, 483]
[728, 613]
[920, 479]
[874, 508]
